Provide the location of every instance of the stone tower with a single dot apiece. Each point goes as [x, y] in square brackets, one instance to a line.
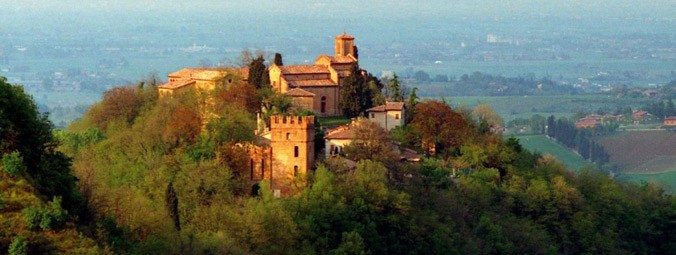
[344, 45]
[292, 139]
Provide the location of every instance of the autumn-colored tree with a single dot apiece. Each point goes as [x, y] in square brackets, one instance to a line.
[371, 142]
[439, 128]
[119, 103]
[184, 124]
[485, 112]
[238, 94]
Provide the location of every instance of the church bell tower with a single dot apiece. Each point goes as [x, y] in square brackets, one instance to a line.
[344, 45]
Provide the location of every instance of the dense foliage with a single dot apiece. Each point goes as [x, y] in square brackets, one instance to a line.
[580, 140]
[153, 190]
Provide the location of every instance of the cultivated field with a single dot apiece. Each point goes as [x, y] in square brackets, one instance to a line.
[642, 151]
[540, 143]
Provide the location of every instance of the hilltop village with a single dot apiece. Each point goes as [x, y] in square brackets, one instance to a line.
[285, 149]
[325, 158]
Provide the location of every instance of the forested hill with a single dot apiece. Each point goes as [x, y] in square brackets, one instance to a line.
[147, 178]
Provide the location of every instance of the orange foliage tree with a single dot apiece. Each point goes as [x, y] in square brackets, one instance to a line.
[438, 128]
[119, 103]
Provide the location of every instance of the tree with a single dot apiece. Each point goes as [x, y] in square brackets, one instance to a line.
[371, 142]
[438, 127]
[352, 96]
[19, 246]
[12, 164]
[257, 72]
[171, 203]
[485, 112]
[410, 105]
[394, 89]
[118, 104]
[278, 59]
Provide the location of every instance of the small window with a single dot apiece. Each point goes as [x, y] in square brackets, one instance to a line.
[295, 151]
[396, 116]
[295, 171]
[373, 115]
[288, 135]
[331, 151]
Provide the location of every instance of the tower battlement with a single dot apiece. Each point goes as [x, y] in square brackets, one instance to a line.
[292, 122]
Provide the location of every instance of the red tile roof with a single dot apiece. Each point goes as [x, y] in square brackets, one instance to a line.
[344, 36]
[389, 106]
[296, 92]
[342, 133]
[177, 84]
[311, 83]
[303, 69]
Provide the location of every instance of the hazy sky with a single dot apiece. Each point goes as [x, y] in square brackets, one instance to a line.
[400, 8]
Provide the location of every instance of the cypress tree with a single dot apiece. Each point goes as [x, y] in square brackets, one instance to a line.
[278, 59]
[171, 202]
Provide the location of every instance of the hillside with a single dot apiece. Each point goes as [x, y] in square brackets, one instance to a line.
[642, 151]
[16, 196]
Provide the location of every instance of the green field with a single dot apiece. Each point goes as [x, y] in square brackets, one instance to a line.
[540, 143]
[512, 107]
[666, 179]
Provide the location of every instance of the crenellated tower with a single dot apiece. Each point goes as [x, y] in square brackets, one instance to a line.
[292, 140]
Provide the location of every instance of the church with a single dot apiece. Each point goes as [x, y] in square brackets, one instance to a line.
[317, 87]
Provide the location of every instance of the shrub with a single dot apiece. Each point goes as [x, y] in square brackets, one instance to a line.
[12, 163]
[19, 246]
[47, 218]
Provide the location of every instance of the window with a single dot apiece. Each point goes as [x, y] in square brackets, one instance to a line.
[263, 168]
[252, 168]
[331, 150]
[323, 105]
[396, 116]
[295, 171]
[288, 135]
[295, 151]
[373, 115]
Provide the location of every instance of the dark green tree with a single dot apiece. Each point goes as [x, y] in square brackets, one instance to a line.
[352, 96]
[278, 59]
[257, 72]
[171, 202]
[394, 89]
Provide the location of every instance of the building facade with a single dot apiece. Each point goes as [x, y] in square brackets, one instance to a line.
[388, 116]
[285, 155]
[322, 80]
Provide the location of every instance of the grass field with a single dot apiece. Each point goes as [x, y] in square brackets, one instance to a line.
[511, 107]
[540, 143]
[666, 179]
[333, 121]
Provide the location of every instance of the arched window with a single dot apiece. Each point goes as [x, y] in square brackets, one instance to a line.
[323, 104]
[295, 151]
[288, 135]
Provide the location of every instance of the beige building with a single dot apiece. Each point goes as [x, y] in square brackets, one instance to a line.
[336, 139]
[321, 80]
[200, 79]
[388, 116]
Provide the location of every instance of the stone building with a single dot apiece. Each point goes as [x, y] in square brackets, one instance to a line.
[284, 155]
[200, 79]
[317, 85]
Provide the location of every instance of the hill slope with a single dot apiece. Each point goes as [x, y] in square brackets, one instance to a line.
[642, 151]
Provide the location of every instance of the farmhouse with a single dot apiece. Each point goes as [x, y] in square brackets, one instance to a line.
[200, 79]
[670, 121]
[388, 116]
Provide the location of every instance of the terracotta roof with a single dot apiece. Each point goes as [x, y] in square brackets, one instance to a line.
[342, 132]
[188, 72]
[176, 84]
[670, 118]
[303, 69]
[296, 92]
[389, 106]
[311, 83]
[343, 59]
[344, 36]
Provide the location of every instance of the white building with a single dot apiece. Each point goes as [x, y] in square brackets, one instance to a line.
[388, 116]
